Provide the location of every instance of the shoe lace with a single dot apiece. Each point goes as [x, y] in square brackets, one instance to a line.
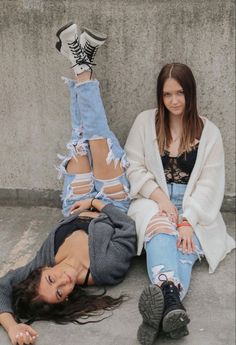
[90, 51]
[79, 54]
[170, 293]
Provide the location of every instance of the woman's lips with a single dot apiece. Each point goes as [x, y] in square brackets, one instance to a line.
[70, 279]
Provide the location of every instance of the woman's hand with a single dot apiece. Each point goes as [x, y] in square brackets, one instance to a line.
[81, 205]
[185, 240]
[21, 334]
[166, 207]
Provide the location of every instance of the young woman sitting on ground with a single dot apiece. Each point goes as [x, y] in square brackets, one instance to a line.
[176, 174]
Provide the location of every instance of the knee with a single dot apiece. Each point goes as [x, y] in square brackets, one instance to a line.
[115, 190]
[82, 184]
[160, 224]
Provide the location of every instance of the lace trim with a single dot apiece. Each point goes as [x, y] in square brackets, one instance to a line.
[178, 169]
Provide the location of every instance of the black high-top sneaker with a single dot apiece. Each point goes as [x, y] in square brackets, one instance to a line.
[70, 47]
[151, 306]
[91, 40]
[175, 317]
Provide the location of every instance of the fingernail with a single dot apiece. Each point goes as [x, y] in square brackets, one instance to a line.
[27, 333]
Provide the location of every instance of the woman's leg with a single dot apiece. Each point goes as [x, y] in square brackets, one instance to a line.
[78, 182]
[186, 262]
[107, 157]
[76, 167]
[170, 268]
[164, 259]
[110, 181]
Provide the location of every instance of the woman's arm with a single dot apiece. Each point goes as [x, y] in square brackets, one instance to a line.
[203, 205]
[112, 245]
[165, 205]
[142, 181]
[16, 276]
[18, 333]
[86, 204]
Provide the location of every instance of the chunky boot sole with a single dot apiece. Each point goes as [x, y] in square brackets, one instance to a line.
[175, 319]
[178, 333]
[98, 36]
[63, 28]
[151, 306]
[146, 334]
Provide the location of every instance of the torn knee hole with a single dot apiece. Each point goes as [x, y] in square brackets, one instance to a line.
[159, 274]
[82, 184]
[160, 224]
[115, 191]
[81, 188]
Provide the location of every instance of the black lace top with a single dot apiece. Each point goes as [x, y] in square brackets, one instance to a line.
[178, 169]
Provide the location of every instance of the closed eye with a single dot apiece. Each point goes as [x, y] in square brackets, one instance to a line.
[59, 294]
[50, 279]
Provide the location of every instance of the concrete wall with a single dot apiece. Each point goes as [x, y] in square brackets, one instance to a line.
[143, 35]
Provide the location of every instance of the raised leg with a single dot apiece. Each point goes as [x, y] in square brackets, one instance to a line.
[78, 182]
[107, 157]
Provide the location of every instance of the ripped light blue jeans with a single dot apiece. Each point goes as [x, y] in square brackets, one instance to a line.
[162, 253]
[89, 122]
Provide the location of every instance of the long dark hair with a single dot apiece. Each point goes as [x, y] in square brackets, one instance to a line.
[192, 123]
[80, 303]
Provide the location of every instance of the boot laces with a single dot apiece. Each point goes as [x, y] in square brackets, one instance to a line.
[90, 51]
[170, 292]
[79, 54]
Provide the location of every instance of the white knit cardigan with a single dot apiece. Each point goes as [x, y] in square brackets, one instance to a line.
[204, 193]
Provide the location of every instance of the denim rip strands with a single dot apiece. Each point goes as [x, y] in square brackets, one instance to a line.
[163, 256]
[88, 119]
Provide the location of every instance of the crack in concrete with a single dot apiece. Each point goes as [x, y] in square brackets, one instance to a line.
[21, 252]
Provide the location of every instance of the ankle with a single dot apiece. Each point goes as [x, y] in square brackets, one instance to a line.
[83, 77]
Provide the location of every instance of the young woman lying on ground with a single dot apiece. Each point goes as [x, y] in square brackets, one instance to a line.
[95, 244]
[176, 174]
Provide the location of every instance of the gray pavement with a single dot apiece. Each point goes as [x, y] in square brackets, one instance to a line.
[210, 301]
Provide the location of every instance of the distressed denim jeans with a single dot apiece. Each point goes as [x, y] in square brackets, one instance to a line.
[89, 122]
[162, 253]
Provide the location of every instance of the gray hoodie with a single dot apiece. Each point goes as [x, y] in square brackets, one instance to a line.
[112, 244]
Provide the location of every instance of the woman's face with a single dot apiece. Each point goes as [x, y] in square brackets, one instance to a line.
[173, 97]
[56, 283]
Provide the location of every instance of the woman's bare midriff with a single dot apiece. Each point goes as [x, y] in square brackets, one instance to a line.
[92, 214]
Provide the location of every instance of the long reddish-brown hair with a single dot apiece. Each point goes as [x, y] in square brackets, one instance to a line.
[192, 123]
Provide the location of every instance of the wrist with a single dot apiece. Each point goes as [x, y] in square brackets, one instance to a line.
[184, 223]
[91, 203]
[158, 195]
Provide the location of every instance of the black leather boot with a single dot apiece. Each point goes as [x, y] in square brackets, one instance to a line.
[151, 305]
[175, 317]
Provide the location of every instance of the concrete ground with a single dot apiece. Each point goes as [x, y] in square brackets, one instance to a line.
[210, 301]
